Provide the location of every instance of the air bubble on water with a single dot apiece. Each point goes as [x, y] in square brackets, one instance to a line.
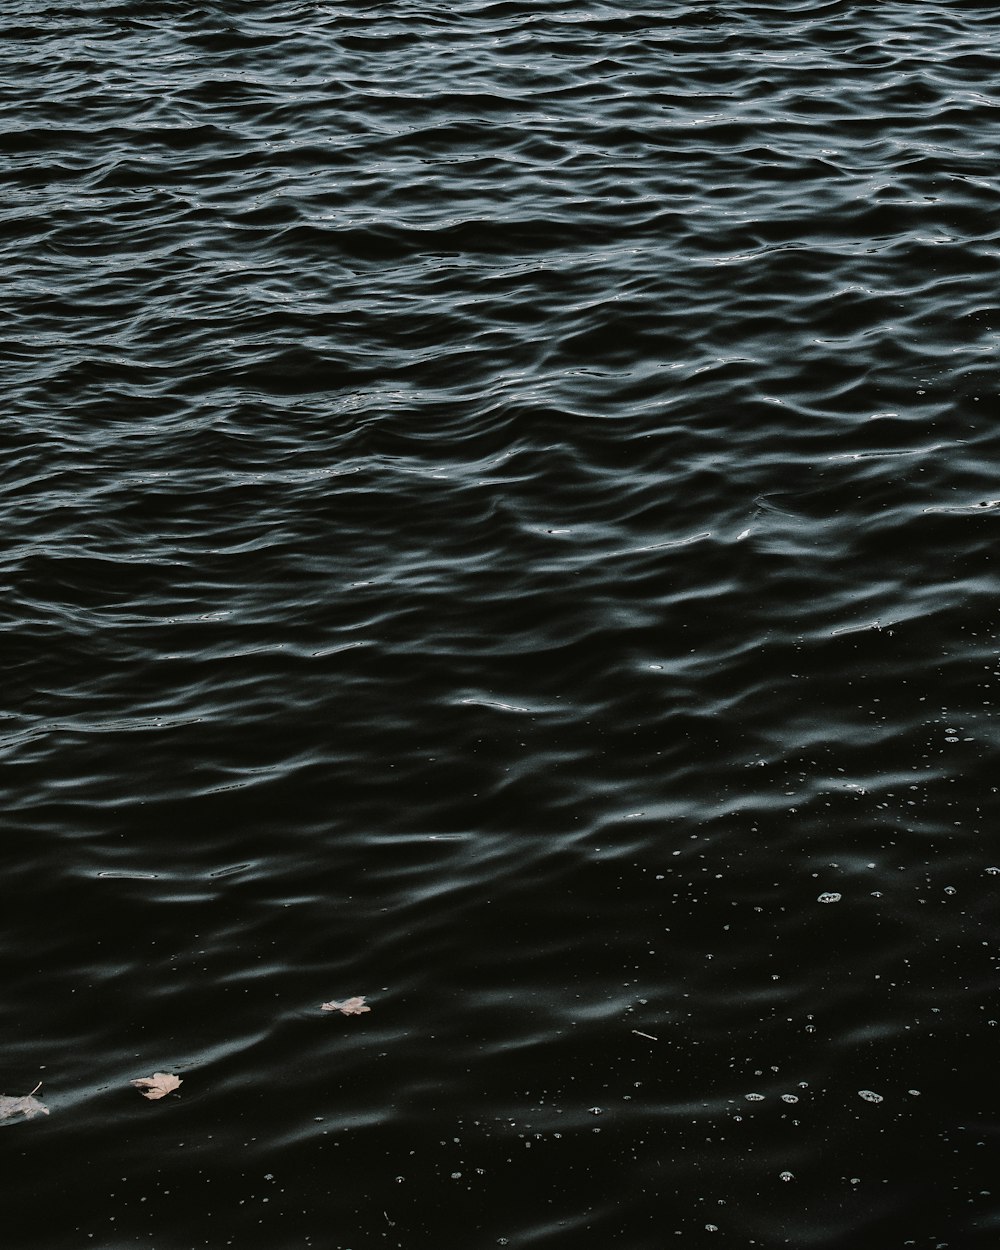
[914, 1092]
[869, 1095]
[596, 1110]
[789, 1098]
[711, 1228]
[950, 889]
[787, 1176]
[993, 872]
[828, 897]
[754, 1097]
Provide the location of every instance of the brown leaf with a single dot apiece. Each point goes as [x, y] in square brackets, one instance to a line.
[28, 1106]
[157, 1085]
[350, 1006]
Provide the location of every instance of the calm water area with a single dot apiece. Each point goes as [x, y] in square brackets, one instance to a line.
[499, 512]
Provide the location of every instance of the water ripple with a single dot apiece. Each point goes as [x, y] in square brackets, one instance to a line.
[498, 509]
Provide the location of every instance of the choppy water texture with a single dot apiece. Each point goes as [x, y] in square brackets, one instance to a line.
[499, 510]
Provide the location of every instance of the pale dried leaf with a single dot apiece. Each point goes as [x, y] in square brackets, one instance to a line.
[350, 1006]
[28, 1106]
[157, 1085]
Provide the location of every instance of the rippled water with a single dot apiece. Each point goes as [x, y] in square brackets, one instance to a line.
[499, 510]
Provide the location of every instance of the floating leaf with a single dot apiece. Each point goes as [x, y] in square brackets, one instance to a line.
[157, 1085]
[28, 1106]
[350, 1006]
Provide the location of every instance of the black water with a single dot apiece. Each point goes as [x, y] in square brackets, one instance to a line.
[498, 516]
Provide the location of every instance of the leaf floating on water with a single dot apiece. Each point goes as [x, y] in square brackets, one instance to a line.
[349, 1007]
[28, 1106]
[158, 1085]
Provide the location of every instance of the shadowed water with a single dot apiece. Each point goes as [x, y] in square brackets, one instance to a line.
[499, 507]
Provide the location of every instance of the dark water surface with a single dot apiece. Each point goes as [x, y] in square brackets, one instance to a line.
[498, 516]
